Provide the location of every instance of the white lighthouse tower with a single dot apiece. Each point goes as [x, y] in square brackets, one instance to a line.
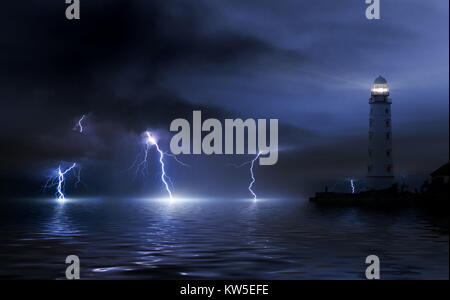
[380, 170]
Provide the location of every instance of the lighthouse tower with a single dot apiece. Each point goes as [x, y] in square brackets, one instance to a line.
[380, 170]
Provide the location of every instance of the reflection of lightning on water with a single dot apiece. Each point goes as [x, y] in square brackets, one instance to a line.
[58, 180]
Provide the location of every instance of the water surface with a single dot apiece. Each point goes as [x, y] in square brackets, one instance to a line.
[216, 239]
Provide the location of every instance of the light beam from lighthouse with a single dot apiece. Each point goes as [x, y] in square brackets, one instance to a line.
[380, 170]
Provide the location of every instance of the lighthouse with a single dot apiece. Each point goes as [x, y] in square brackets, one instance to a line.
[380, 169]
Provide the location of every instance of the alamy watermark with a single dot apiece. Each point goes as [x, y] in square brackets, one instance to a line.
[373, 10]
[73, 270]
[212, 143]
[373, 270]
[73, 10]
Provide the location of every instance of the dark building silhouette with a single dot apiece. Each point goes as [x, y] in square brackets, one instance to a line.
[440, 176]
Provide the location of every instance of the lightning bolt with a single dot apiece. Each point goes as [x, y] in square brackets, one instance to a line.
[79, 125]
[58, 180]
[252, 174]
[352, 184]
[177, 160]
[140, 163]
[344, 181]
[151, 141]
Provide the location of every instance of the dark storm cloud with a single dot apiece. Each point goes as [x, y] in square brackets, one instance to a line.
[47, 49]
[139, 64]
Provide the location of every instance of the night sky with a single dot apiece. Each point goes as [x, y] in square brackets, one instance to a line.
[137, 65]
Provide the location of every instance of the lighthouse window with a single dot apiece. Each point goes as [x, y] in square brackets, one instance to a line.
[387, 110]
[388, 153]
[388, 123]
[389, 168]
[388, 136]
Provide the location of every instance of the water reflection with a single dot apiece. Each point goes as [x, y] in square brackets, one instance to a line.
[216, 239]
[60, 223]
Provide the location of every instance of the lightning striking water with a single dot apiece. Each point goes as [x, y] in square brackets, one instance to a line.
[79, 125]
[61, 179]
[253, 176]
[252, 165]
[58, 180]
[151, 141]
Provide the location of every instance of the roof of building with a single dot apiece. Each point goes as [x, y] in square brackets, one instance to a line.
[380, 80]
[442, 171]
